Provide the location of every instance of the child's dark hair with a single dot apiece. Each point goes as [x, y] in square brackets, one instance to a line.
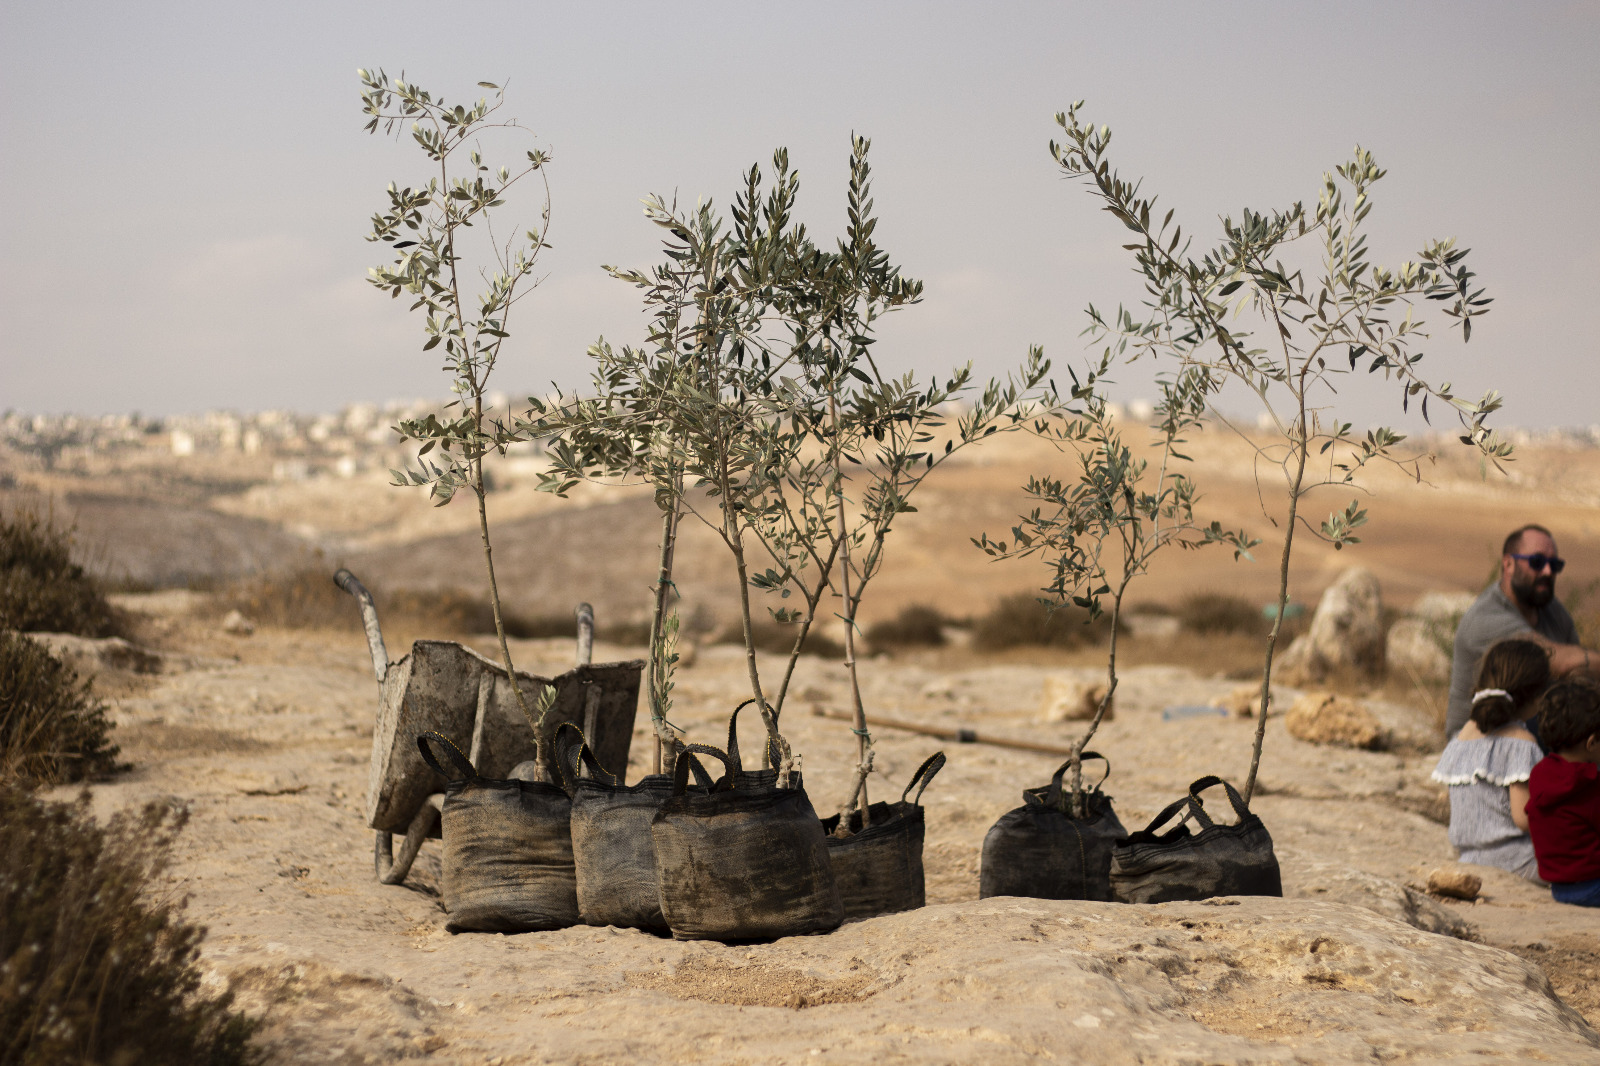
[1520, 668]
[1569, 713]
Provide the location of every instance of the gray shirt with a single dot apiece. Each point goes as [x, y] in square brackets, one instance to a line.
[1491, 619]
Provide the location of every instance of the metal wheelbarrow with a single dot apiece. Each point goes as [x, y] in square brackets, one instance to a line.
[444, 686]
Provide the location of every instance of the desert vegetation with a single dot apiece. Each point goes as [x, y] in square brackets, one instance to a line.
[44, 590]
[96, 961]
[1327, 307]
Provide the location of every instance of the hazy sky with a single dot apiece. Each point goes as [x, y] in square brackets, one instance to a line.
[186, 185]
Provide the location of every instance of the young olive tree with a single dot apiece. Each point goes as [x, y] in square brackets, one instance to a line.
[1098, 532]
[428, 229]
[1325, 313]
[756, 401]
[695, 411]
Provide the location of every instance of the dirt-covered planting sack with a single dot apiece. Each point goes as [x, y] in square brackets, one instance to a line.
[507, 849]
[611, 847]
[1040, 850]
[746, 861]
[879, 868]
[1219, 860]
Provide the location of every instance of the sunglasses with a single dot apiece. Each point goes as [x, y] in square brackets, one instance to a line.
[1539, 560]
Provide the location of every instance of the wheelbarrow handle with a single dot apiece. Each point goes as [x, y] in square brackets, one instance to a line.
[369, 620]
[585, 615]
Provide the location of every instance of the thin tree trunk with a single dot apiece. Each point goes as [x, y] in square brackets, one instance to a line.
[735, 540]
[1283, 603]
[1079, 809]
[658, 667]
[494, 601]
[858, 797]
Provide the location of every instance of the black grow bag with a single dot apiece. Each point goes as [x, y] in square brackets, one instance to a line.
[879, 868]
[745, 861]
[1219, 860]
[508, 864]
[611, 847]
[1040, 850]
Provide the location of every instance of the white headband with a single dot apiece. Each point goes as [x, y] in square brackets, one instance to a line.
[1489, 693]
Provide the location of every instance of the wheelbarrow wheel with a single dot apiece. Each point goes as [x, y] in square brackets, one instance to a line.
[392, 869]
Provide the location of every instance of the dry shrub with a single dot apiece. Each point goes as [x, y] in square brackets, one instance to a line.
[308, 599]
[778, 638]
[52, 729]
[95, 965]
[41, 589]
[1210, 613]
[1022, 621]
[916, 625]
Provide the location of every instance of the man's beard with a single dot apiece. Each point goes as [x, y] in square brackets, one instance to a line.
[1535, 591]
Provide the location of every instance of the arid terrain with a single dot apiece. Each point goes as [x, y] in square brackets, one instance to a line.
[267, 737]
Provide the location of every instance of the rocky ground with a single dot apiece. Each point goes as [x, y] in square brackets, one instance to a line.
[267, 738]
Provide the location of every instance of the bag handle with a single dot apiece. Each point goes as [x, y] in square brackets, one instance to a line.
[680, 766]
[1053, 797]
[1168, 811]
[571, 752]
[1239, 807]
[1196, 806]
[925, 773]
[452, 754]
[701, 778]
[733, 741]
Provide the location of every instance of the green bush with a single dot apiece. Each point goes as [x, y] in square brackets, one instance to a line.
[916, 624]
[41, 589]
[1022, 621]
[1212, 613]
[95, 965]
[52, 729]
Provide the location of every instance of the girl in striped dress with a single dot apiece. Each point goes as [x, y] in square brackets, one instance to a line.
[1488, 763]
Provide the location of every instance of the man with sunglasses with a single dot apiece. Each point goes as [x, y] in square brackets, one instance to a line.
[1521, 604]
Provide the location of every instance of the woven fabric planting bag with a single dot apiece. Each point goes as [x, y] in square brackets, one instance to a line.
[879, 868]
[1041, 851]
[1219, 860]
[611, 846]
[745, 861]
[507, 849]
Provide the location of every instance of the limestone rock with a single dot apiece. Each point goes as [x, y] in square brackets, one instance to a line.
[1419, 645]
[1244, 700]
[89, 655]
[238, 624]
[1346, 634]
[1334, 882]
[1324, 718]
[1412, 651]
[1443, 608]
[1455, 881]
[1407, 727]
[1069, 699]
[1001, 982]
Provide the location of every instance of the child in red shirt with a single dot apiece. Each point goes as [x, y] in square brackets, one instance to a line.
[1564, 793]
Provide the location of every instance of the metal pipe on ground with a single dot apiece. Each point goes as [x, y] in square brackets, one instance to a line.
[959, 735]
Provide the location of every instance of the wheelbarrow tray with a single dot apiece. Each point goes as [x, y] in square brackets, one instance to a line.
[441, 684]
